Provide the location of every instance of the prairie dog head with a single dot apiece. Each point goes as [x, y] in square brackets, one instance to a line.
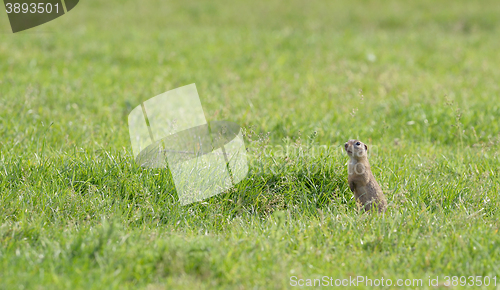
[356, 149]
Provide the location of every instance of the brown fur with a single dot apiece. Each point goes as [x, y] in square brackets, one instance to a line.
[361, 180]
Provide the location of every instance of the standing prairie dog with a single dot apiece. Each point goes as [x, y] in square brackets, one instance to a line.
[361, 181]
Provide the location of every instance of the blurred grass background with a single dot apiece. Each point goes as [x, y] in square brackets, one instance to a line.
[418, 81]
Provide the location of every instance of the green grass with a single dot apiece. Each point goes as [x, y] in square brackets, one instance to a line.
[417, 81]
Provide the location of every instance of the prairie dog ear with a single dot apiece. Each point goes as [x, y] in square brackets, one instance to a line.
[366, 147]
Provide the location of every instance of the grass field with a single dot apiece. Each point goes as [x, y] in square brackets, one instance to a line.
[417, 80]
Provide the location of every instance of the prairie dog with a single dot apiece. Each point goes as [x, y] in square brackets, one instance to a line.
[361, 180]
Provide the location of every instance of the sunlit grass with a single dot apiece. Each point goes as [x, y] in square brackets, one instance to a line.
[417, 82]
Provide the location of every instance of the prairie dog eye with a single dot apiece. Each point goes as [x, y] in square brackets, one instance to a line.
[358, 143]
